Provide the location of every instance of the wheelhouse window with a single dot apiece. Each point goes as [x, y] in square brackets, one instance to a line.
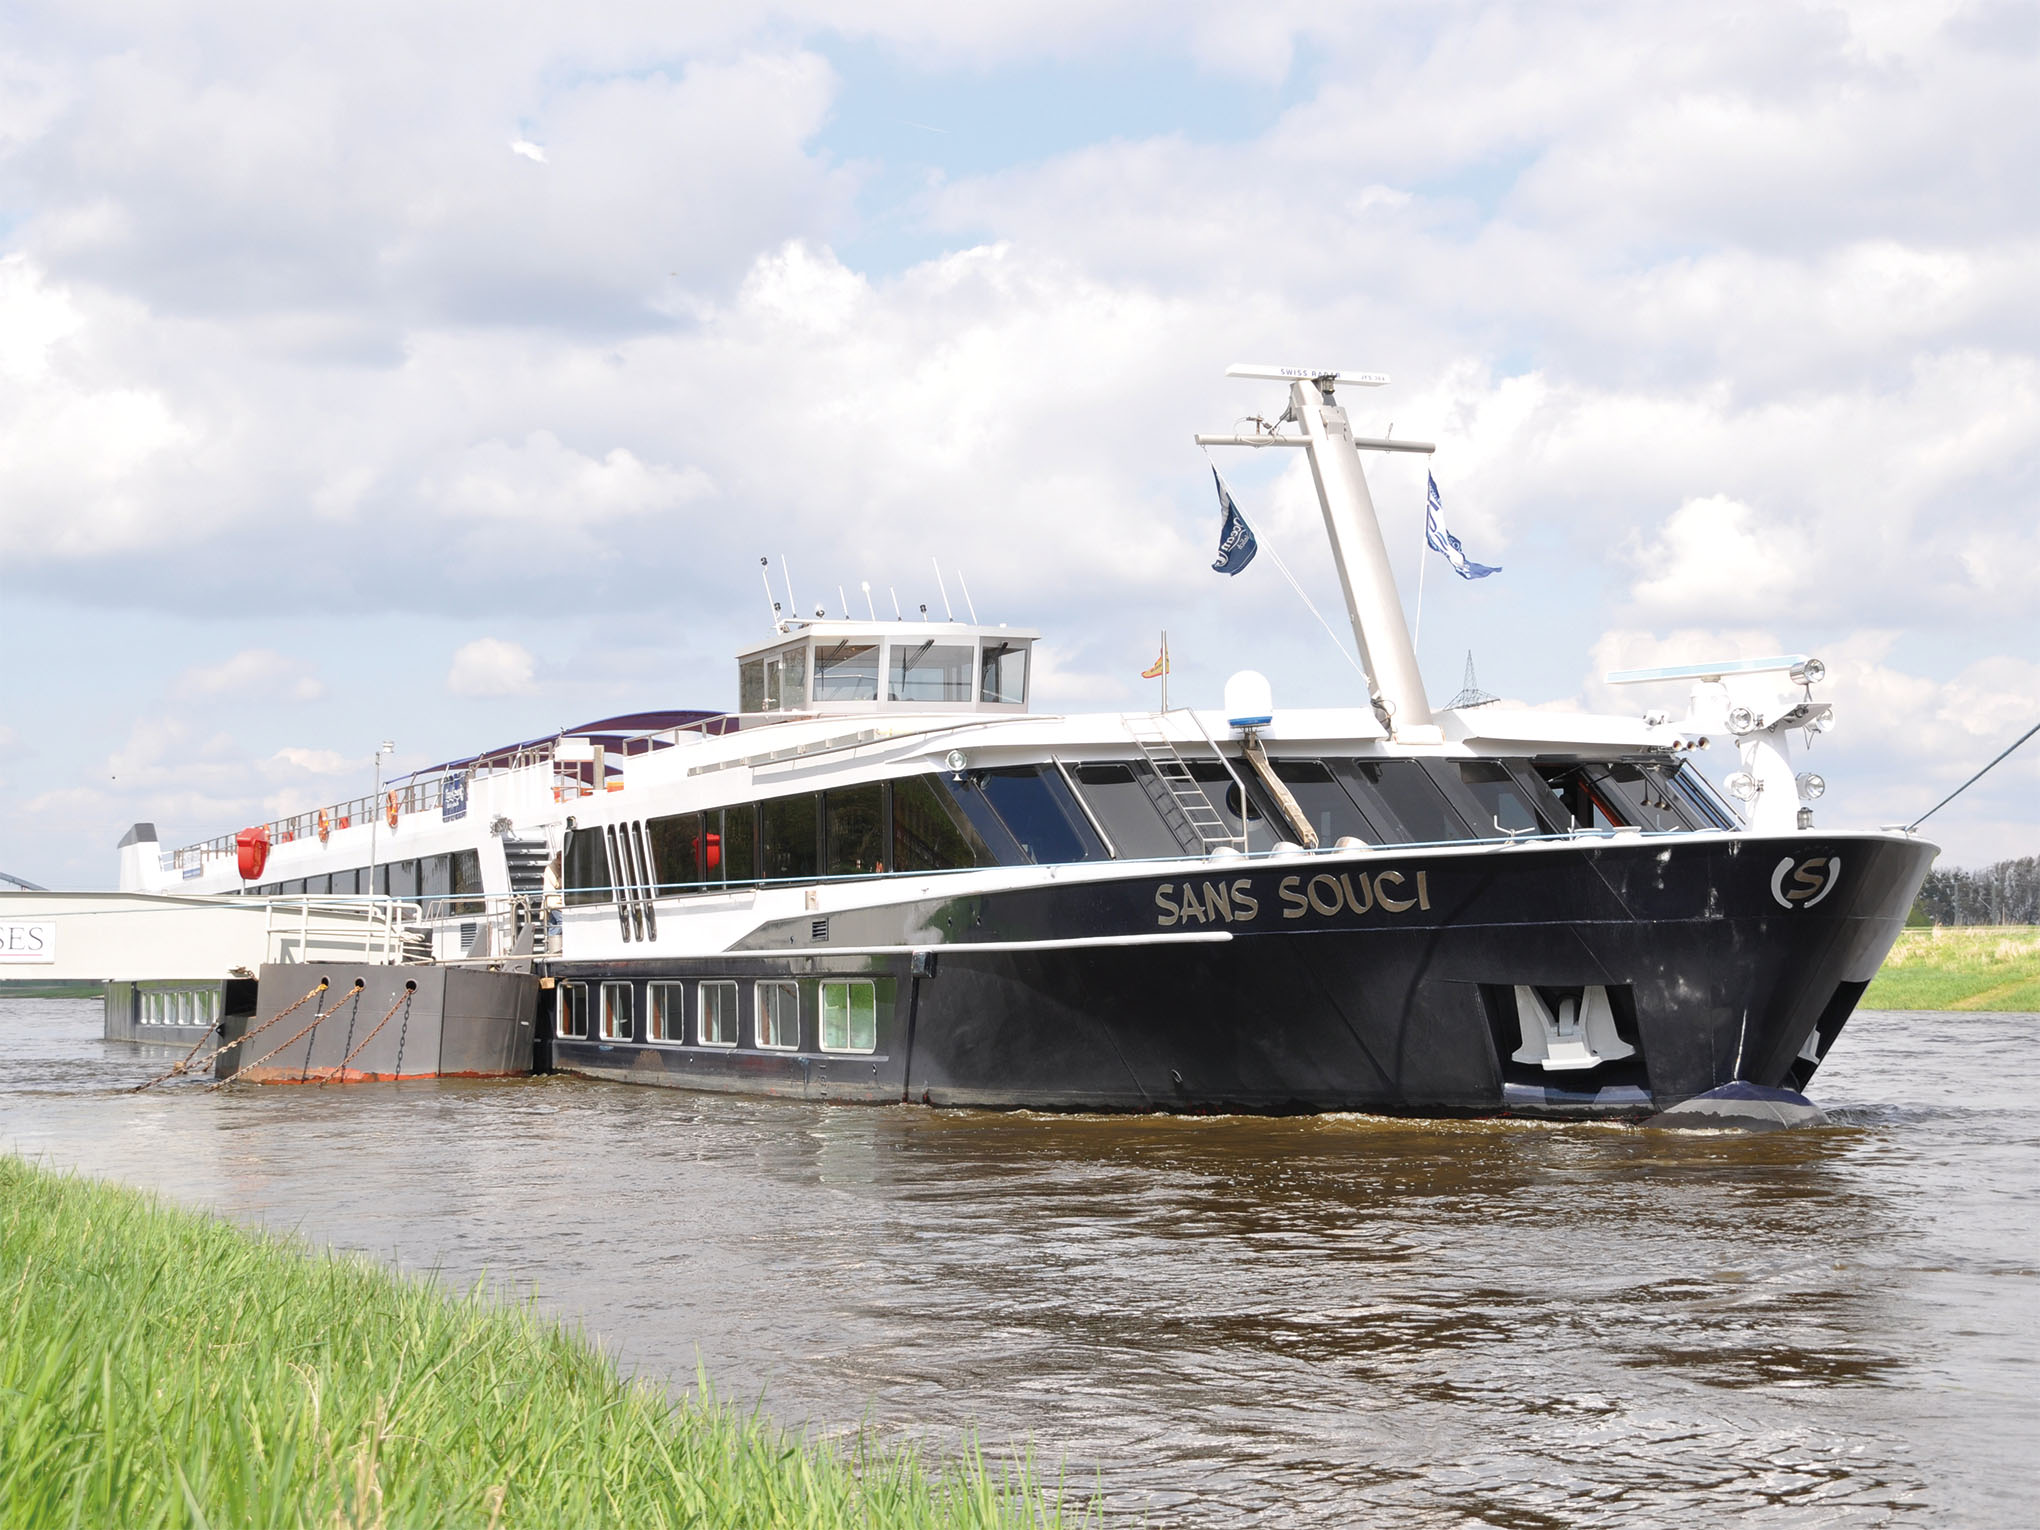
[773, 682]
[930, 671]
[930, 833]
[665, 1012]
[855, 829]
[1002, 672]
[778, 1015]
[1659, 796]
[791, 851]
[846, 671]
[716, 1021]
[616, 1016]
[572, 1000]
[586, 867]
[849, 1016]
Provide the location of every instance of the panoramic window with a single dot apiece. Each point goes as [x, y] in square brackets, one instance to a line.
[1505, 805]
[1589, 798]
[572, 999]
[856, 829]
[1002, 672]
[849, 1016]
[665, 1015]
[717, 1017]
[1324, 802]
[929, 832]
[616, 1012]
[789, 837]
[585, 871]
[930, 671]
[735, 851]
[778, 1015]
[846, 672]
[675, 844]
[1403, 791]
[1119, 793]
[1037, 810]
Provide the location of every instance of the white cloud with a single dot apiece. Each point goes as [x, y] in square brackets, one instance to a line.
[490, 667]
[529, 150]
[251, 675]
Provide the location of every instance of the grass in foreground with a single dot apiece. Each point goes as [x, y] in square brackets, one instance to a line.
[1973, 967]
[163, 1368]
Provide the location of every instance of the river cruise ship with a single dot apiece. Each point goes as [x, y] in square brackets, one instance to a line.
[886, 878]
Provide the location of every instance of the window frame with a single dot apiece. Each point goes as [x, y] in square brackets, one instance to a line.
[850, 987]
[606, 1028]
[570, 999]
[758, 1009]
[734, 1017]
[657, 992]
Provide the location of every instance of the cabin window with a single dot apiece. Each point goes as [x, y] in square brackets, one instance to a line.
[294, 889]
[737, 848]
[1002, 673]
[1037, 809]
[318, 886]
[1119, 794]
[616, 1012]
[1586, 795]
[789, 840]
[665, 1012]
[572, 999]
[464, 876]
[846, 672]
[586, 868]
[856, 829]
[930, 671]
[435, 876]
[1408, 794]
[718, 1014]
[778, 1015]
[751, 686]
[1504, 804]
[1226, 795]
[849, 1016]
[399, 879]
[929, 832]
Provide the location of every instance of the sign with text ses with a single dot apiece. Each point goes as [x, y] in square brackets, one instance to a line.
[28, 941]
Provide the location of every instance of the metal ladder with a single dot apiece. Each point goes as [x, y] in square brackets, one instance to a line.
[1175, 792]
[525, 859]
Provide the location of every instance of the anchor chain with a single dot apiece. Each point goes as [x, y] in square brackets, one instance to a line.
[183, 1063]
[340, 1072]
[306, 1031]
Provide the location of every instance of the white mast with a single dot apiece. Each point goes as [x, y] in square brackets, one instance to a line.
[1358, 550]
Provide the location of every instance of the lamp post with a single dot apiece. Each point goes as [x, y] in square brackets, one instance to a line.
[387, 746]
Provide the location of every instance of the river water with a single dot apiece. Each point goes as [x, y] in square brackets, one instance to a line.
[1223, 1321]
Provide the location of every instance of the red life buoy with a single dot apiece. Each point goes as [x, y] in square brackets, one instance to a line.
[390, 809]
[325, 826]
[251, 853]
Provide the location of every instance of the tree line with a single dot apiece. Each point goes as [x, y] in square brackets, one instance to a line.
[2007, 893]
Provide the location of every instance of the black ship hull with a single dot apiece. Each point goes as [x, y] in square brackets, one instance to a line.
[1360, 983]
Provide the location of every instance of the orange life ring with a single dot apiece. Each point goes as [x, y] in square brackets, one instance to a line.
[390, 807]
[325, 826]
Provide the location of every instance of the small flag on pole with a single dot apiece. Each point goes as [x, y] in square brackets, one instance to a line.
[1159, 668]
[1442, 541]
[1236, 545]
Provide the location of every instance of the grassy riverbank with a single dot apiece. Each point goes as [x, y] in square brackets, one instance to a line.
[168, 1369]
[1960, 968]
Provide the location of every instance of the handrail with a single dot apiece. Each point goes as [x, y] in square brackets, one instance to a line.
[1245, 801]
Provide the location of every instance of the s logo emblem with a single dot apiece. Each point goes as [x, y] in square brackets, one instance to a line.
[1811, 880]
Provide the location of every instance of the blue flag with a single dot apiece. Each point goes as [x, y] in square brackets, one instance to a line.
[1236, 545]
[1443, 541]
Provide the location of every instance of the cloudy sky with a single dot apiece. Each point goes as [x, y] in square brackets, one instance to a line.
[439, 372]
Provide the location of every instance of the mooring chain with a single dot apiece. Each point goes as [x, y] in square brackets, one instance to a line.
[340, 1072]
[183, 1063]
[223, 1082]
